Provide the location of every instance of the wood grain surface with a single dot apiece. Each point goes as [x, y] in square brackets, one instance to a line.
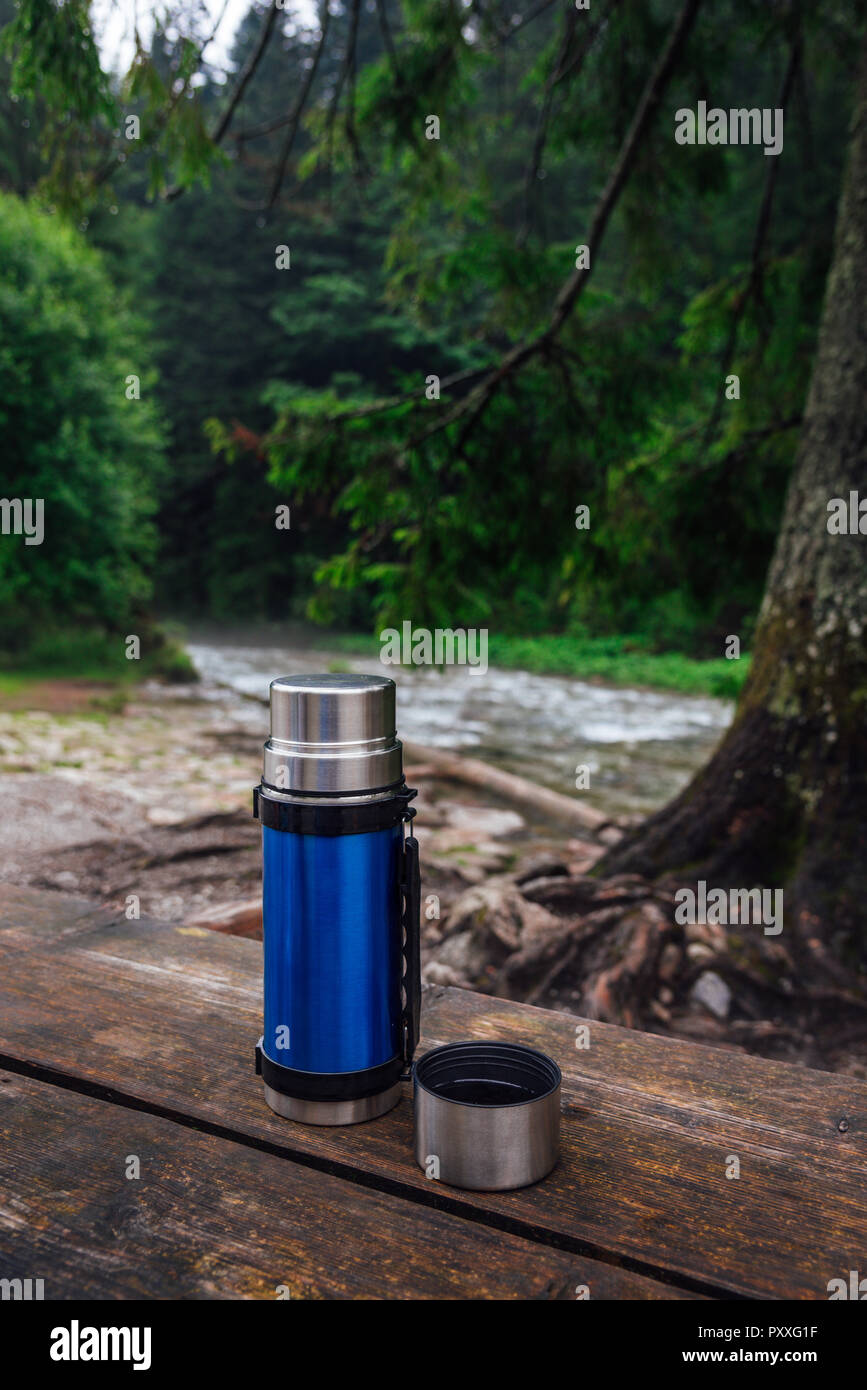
[164, 1018]
[208, 1218]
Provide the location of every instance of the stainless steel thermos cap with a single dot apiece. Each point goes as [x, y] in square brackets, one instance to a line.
[332, 734]
[487, 1114]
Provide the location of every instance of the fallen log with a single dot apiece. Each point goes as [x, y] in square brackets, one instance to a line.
[233, 918]
[474, 773]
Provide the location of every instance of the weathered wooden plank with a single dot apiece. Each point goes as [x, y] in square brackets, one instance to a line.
[209, 1218]
[780, 1107]
[169, 1017]
[712, 1083]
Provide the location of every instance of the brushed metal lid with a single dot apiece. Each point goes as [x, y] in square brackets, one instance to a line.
[486, 1114]
[332, 734]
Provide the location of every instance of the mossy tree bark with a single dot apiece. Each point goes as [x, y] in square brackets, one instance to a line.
[783, 802]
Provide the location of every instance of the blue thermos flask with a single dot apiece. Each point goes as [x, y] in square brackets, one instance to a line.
[341, 902]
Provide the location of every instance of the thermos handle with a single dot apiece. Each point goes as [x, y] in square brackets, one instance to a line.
[411, 921]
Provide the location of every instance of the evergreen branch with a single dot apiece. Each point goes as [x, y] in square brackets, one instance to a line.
[297, 110]
[754, 286]
[570, 19]
[518, 356]
[247, 72]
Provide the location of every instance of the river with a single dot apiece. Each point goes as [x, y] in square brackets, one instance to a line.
[640, 746]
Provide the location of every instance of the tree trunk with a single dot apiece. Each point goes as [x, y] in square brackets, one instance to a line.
[783, 802]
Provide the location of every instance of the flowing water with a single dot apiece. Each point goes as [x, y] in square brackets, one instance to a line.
[640, 746]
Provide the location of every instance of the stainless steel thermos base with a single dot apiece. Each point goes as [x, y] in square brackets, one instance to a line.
[487, 1115]
[332, 1112]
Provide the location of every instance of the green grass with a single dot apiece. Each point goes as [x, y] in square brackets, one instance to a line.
[94, 656]
[615, 660]
[620, 661]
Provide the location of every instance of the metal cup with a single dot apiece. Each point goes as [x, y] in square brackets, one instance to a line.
[487, 1114]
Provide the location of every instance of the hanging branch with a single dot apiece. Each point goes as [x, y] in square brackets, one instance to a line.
[476, 402]
[295, 117]
[754, 288]
[570, 19]
[247, 72]
[349, 119]
[564, 66]
[471, 406]
[387, 403]
[388, 42]
[505, 34]
[398, 78]
[165, 115]
[345, 68]
[244, 77]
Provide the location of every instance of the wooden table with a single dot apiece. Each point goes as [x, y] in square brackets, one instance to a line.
[124, 1039]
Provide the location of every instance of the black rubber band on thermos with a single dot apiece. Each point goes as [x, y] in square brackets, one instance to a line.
[350, 818]
[340, 1085]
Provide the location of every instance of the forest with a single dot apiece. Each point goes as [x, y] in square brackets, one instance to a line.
[411, 265]
[545, 321]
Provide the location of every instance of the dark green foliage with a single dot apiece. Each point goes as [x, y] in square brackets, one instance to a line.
[55, 57]
[473, 521]
[413, 257]
[70, 435]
